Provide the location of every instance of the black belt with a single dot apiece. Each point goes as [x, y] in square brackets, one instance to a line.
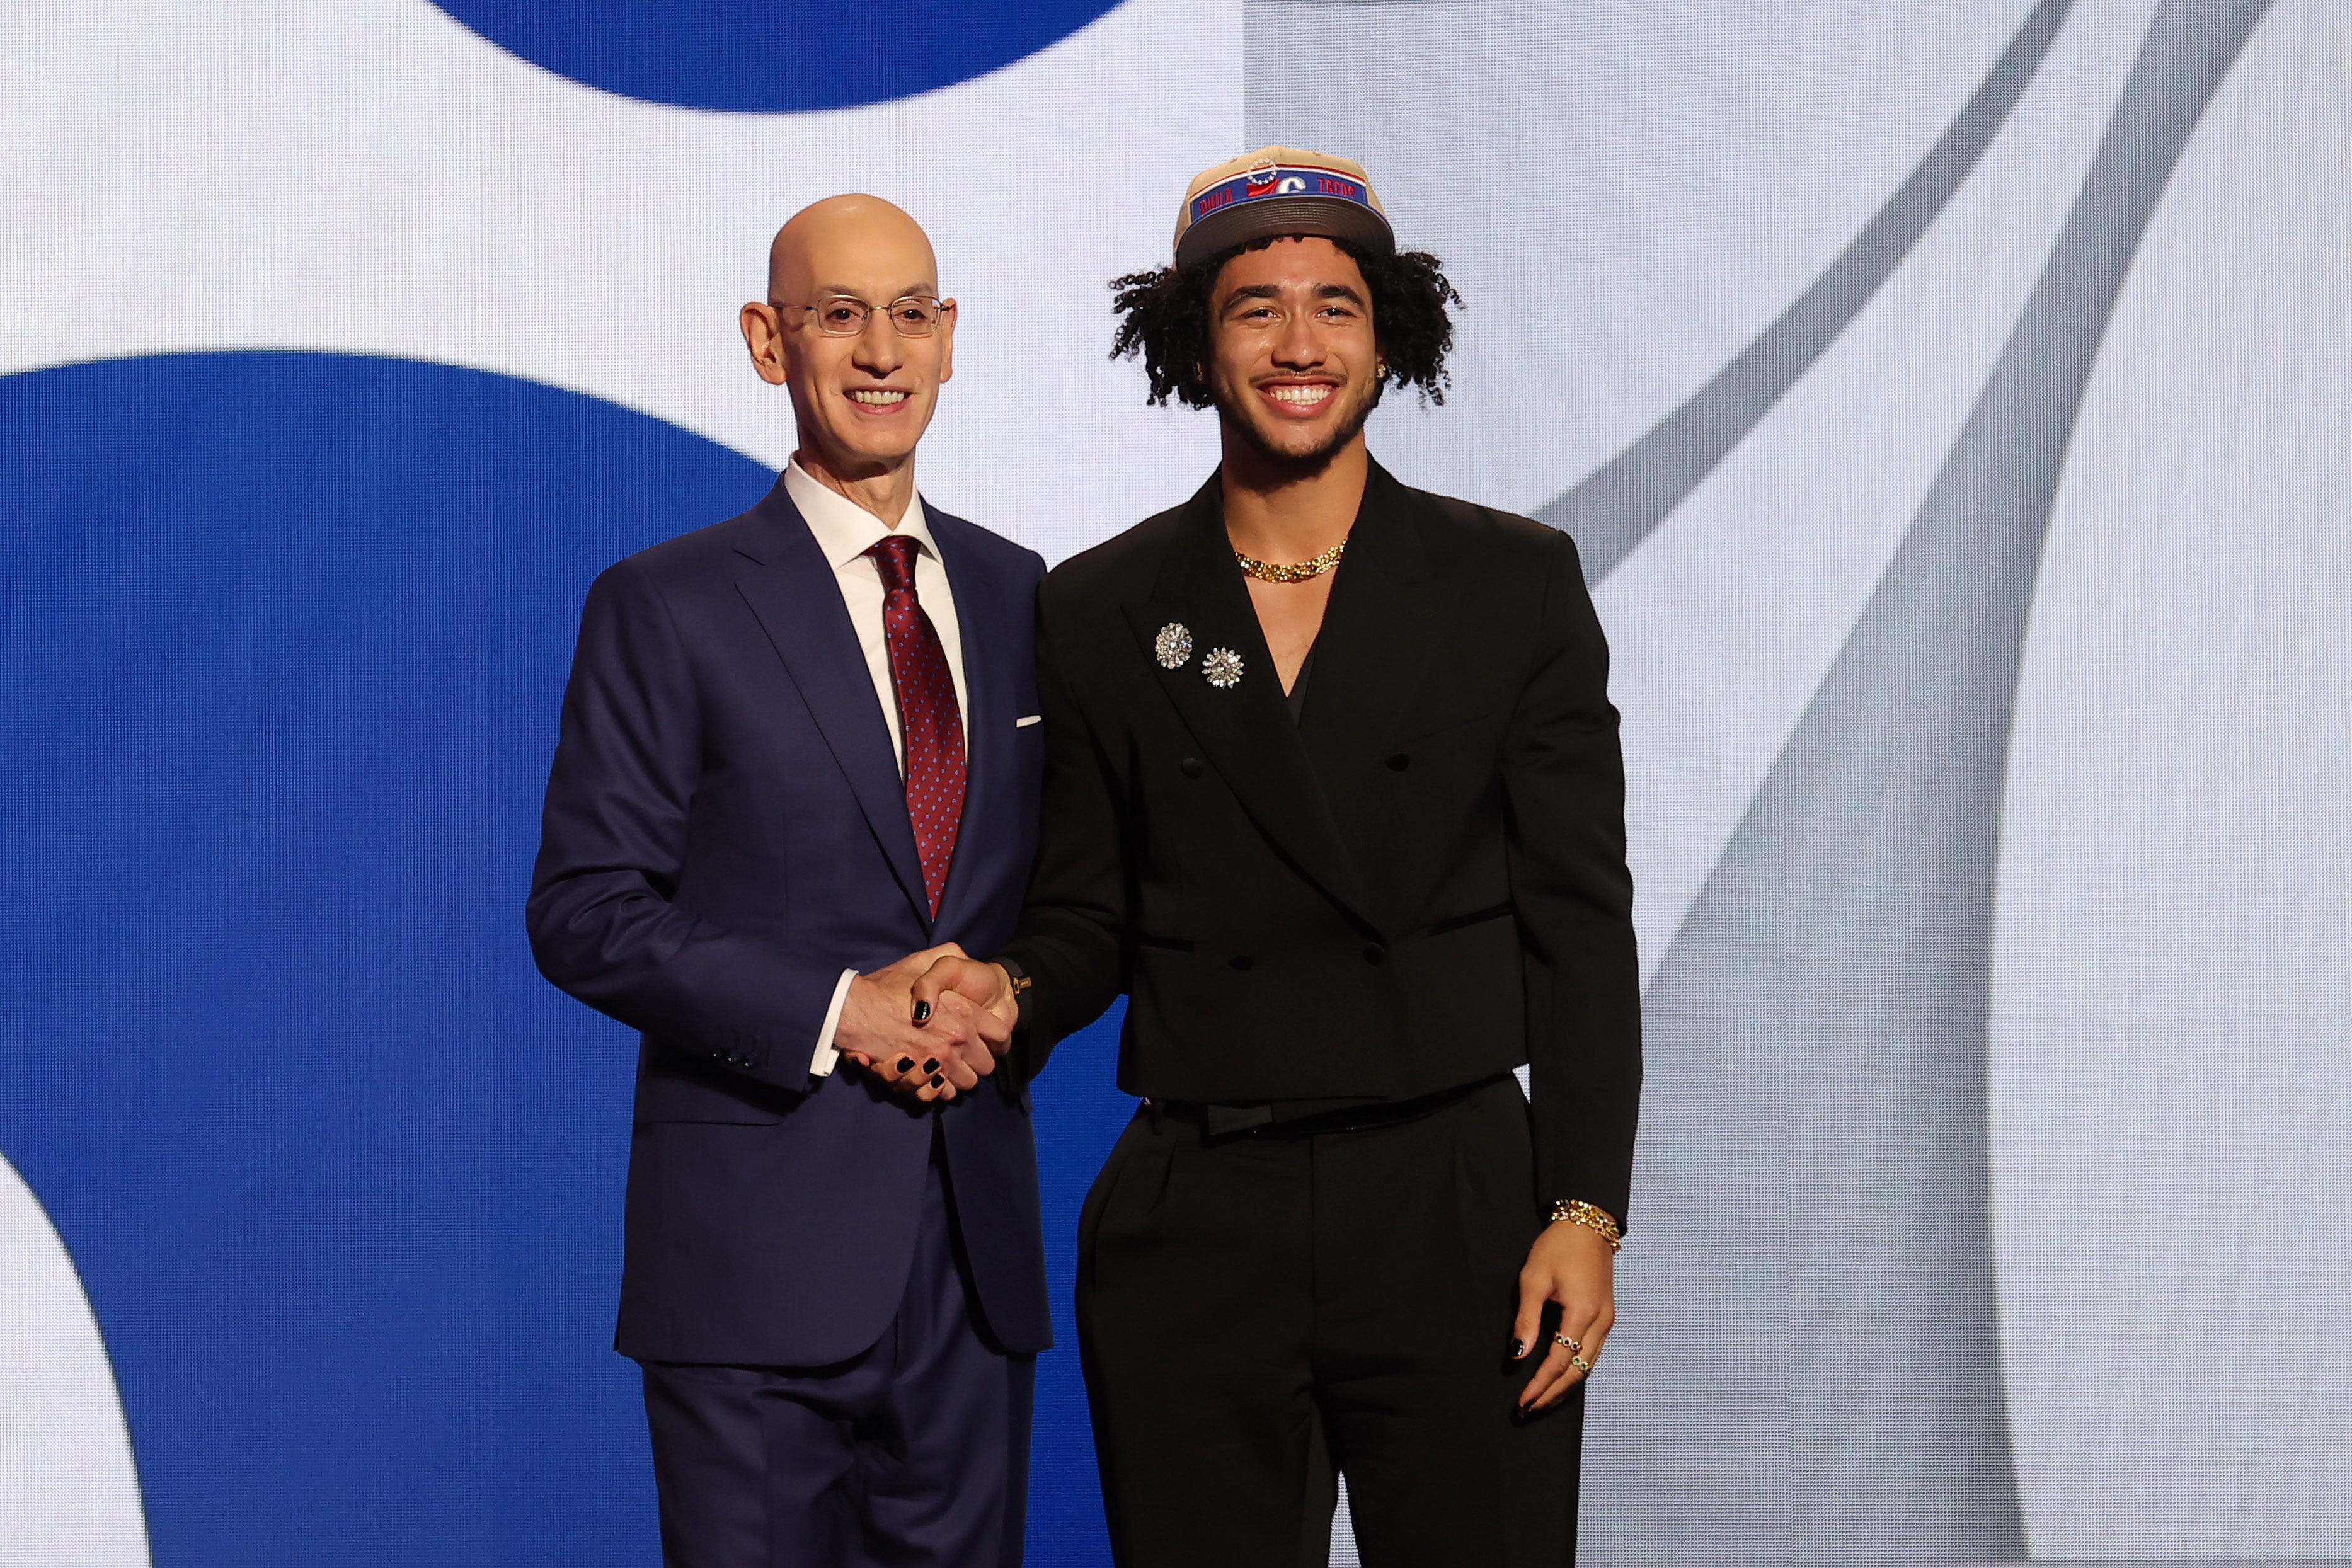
[1299, 1119]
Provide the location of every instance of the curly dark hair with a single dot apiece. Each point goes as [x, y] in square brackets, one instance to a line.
[1164, 315]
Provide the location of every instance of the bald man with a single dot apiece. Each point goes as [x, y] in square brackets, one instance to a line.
[796, 746]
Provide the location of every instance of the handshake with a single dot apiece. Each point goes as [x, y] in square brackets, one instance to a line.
[931, 1025]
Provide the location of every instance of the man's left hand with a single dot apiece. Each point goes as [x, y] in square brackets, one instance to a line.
[1571, 1267]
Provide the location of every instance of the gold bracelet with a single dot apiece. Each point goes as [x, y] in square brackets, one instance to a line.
[1592, 1217]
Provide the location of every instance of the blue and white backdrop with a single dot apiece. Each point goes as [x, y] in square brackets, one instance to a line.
[1950, 403]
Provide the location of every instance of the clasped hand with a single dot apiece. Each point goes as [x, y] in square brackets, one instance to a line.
[931, 1025]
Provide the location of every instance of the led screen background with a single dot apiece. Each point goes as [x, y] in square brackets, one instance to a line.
[1949, 403]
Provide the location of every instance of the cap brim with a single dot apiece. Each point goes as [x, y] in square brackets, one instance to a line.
[1276, 217]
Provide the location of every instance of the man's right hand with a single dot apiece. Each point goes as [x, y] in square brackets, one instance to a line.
[955, 977]
[948, 1052]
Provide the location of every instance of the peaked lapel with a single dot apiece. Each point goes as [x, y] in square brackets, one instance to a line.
[1245, 729]
[1389, 599]
[791, 589]
[984, 627]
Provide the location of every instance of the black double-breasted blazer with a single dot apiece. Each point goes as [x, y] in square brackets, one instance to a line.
[1418, 884]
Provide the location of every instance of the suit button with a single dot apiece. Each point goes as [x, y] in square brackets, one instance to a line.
[1193, 767]
[1375, 954]
[1240, 961]
[1400, 762]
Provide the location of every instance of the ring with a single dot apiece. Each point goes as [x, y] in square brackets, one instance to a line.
[1579, 1362]
[1565, 1344]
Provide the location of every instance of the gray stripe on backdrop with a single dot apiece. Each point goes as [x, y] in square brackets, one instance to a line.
[1808, 1365]
[1616, 507]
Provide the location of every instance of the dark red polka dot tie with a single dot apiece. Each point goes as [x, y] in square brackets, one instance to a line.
[928, 717]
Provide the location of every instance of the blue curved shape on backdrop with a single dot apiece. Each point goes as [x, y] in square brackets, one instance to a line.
[285, 637]
[761, 56]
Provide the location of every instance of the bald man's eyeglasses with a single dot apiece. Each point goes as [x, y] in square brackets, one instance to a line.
[841, 316]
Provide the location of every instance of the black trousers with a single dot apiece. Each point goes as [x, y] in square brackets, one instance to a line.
[1248, 1303]
[913, 1453]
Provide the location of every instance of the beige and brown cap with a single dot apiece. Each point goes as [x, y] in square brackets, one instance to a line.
[1278, 190]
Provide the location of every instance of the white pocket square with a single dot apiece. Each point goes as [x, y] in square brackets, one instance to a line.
[1025, 723]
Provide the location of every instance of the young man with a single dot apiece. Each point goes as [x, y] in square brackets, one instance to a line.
[1333, 792]
[796, 745]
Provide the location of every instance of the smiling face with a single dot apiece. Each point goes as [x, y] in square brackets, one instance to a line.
[1295, 362]
[862, 400]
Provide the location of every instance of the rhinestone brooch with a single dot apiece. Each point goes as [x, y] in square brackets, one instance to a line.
[1222, 666]
[1173, 647]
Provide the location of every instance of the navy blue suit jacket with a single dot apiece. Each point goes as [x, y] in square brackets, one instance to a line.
[726, 831]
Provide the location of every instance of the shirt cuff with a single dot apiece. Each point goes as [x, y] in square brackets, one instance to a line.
[822, 1063]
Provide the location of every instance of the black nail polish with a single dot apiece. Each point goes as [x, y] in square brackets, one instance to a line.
[937, 1080]
[932, 1065]
[904, 1062]
[922, 1013]
[1518, 1346]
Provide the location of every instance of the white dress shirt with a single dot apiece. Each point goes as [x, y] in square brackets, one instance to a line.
[845, 531]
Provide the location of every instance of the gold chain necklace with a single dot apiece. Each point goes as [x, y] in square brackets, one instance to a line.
[1277, 572]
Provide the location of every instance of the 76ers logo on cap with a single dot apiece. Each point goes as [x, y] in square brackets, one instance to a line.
[1296, 192]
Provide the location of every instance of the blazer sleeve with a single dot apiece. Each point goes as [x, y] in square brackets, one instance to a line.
[605, 925]
[1070, 942]
[1564, 787]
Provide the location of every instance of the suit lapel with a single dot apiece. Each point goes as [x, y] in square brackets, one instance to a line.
[982, 609]
[791, 589]
[1388, 601]
[1245, 729]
